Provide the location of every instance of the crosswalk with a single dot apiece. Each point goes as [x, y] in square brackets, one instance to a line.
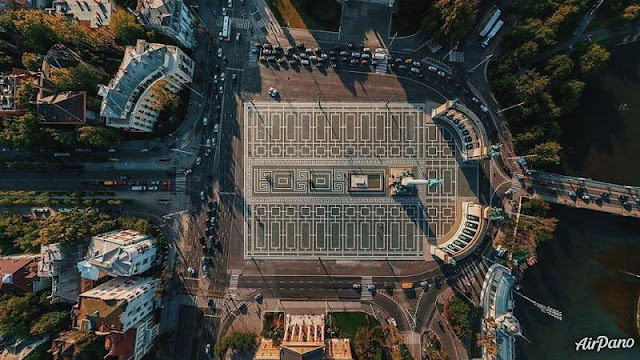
[470, 276]
[261, 24]
[365, 294]
[236, 22]
[233, 285]
[433, 45]
[184, 141]
[181, 183]
[381, 66]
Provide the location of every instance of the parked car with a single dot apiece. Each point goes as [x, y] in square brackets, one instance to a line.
[219, 52]
[216, 127]
[273, 92]
[432, 68]
[415, 70]
[198, 160]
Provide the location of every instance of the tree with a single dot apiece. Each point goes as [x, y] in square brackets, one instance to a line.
[546, 154]
[570, 93]
[68, 228]
[25, 95]
[62, 78]
[450, 20]
[594, 59]
[368, 342]
[48, 323]
[142, 225]
[64, 137]
[30, 61]
[530, 232]
[487, 341]
[526, 51]
[631, 12]
[535, 207]
[559, 67]
[98, 135]
[235, 341]
[459, 313]
[21, 132]
[16, 315]
[163, 99]
[127, 29]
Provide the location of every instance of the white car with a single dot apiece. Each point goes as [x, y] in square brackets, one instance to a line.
[273, 92]
[417, 63]
[237, 37]
[208, 142]
[216, 127]
[415, 70]
[441, 73]
[221, 90]
[432, 68]
[188, 171]
[198, 160]
[215, 79]
[219, 52]
[202, 195]
[205, 121]
[483, 108]
[213, 141]
[222, 77]
[224, 11]
[207, 349]
[475, 100]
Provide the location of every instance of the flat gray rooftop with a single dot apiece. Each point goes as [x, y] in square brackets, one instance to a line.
[298, 158]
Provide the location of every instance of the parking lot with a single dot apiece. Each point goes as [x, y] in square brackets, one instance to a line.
[297, 164]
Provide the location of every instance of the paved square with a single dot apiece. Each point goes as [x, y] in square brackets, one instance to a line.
[297, 165]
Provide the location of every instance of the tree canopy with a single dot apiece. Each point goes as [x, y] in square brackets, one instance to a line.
[29, 315]
[163, 99]
[126, 27]
[236, 341]
[98, 135]
[368, 342]
[594, 59]
[22, 132]
[450, 20]
[459, 313]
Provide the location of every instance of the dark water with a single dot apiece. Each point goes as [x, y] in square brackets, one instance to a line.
[580, 271]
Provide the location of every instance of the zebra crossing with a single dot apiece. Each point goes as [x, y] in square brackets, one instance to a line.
[181, 183]
[184, 141]
[470, 276]
[261, 24]
[233, 285]
[236, 22]
[381, 66]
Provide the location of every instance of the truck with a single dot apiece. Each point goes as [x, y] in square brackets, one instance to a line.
[492, 33]
[109, 183]
[492, 20]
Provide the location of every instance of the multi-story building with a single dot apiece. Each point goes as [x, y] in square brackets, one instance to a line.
[122, 310]
[19, 274]
[118, 253]
[127, 101]
[95, 13]
[60, 264]
[169, 17]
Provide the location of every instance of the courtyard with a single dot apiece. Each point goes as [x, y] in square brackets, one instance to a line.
[300, 162]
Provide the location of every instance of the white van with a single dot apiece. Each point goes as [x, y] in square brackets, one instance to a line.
[205, 121]
[230, 4]
[138, 188]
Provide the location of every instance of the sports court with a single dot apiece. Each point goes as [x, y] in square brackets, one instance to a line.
[300, 162]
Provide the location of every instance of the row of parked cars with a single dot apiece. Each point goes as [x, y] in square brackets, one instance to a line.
[468, 232]
[466, 133]
[301, 55]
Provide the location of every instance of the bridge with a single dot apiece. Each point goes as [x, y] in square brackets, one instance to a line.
[584, 193]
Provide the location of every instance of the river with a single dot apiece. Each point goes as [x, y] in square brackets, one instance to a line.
[582, 270]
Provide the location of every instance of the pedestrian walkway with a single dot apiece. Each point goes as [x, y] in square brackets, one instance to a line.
[366, 295]
[184, 141]
[381, 66]
[233, 286]
[433, 45]
[181, 183]
[235, 22]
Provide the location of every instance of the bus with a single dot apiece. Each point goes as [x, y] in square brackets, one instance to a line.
[490, 23]
[493, 33]
[226, 28]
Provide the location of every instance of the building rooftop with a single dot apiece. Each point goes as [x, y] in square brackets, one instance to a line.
[9, 265]
[67, 107]
[118, 253]
[95, 12]
[141, 66]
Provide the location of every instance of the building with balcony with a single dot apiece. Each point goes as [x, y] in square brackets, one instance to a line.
[121, 310]
[127, 101]
[169, 17]
[118, 253]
